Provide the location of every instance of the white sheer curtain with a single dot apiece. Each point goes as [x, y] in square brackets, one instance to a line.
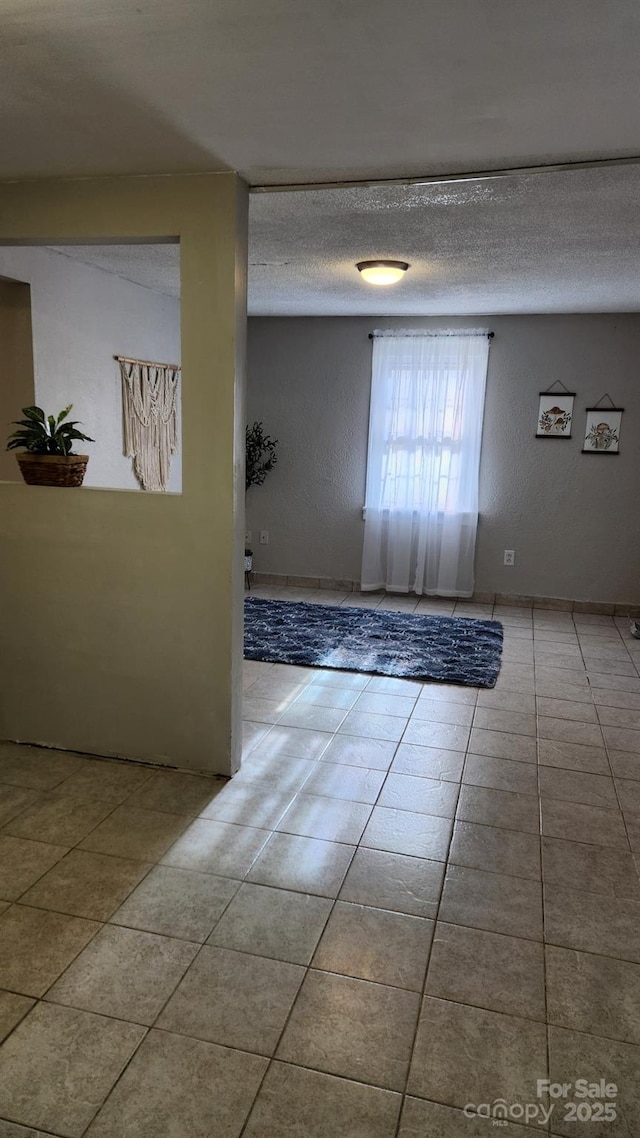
[425, 429]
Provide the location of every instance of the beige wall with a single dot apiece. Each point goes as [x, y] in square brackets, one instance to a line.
[571, 518]
[16, 364]
[122, 613]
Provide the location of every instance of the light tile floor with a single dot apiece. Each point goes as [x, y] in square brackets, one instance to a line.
[413, 897]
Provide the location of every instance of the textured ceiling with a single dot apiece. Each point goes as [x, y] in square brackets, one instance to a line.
[307, 90]
[553, 242]
[566, 242]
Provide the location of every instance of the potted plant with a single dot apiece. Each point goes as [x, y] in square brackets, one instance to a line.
[260, 458]
[48, 459]
[260, 455]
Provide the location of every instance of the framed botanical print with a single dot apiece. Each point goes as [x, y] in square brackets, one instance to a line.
[602, 430]
[555, 415]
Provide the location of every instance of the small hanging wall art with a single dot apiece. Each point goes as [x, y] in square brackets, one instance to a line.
[555, 413]
[602, 430]
[149, 399]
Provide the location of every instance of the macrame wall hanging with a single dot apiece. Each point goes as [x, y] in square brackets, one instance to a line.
[149, 405]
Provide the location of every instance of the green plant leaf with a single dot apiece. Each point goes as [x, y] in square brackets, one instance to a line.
[260, 455]
[77, 435]
[46, 434]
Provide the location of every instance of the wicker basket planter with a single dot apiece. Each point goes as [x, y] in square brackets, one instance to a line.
[53, 469]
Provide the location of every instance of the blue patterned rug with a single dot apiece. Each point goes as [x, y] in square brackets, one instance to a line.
[450, 649]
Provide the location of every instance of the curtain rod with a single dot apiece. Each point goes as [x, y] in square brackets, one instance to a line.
[146, 363]
[419, 332]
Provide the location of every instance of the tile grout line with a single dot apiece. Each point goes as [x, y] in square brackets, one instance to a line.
[543, 902]
[428, 962]
[152, 1026]
[103, 924]
[357, 846]
[615, 783]
[307, 969]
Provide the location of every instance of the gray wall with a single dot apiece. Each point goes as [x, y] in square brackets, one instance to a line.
[572, 519]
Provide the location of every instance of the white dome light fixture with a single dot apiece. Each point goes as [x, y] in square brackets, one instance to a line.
[382, 272]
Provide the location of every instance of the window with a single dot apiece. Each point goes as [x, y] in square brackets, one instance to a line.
[425, 430]
[426, 420]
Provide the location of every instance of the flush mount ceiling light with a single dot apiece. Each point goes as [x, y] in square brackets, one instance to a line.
[382, 272]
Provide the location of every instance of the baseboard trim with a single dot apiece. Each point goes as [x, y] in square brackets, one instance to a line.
[511, 600]
[112, 757]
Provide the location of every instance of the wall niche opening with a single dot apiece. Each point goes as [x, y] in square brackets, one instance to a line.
[66, 313]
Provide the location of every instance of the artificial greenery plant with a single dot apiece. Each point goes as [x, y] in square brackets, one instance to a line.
[260, 455]
[46, 434]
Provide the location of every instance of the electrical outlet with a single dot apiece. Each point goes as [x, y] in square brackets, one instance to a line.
[264, 537]
[247, 537]
[509, 556]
